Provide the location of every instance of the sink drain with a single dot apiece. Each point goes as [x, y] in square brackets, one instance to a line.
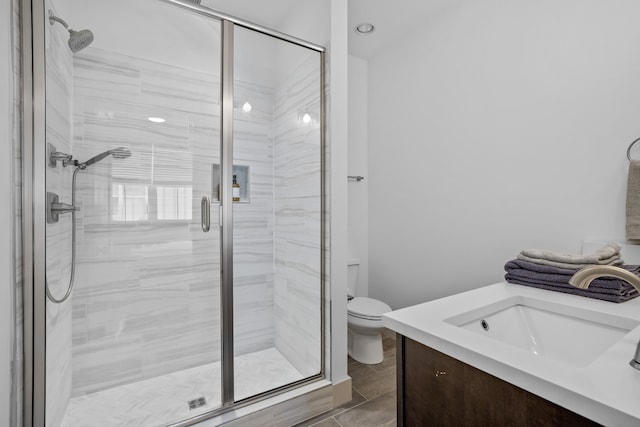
[485, 325]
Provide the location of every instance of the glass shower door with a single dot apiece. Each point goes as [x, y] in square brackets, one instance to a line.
[276, 213]
[157, 311]
[133, 122]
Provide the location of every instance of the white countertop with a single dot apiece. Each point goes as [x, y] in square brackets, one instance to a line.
[606, 391]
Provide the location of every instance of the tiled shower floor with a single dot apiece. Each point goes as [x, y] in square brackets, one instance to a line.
[163, 400]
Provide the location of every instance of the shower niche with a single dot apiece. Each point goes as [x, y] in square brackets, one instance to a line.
[242, 174]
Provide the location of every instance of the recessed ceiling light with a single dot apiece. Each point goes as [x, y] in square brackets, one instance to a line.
[157, 119]
[365, 28]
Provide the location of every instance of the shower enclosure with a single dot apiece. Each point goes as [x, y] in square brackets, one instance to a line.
[177, 216]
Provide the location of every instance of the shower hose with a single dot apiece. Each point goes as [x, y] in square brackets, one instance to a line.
[73, 248]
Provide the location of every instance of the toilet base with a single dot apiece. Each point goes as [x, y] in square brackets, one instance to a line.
[366, 349]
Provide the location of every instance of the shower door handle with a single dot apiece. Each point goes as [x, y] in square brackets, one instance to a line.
[205, 214]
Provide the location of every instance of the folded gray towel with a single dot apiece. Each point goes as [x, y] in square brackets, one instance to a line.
[602, 256]
[577, 291]
[557, 279]
[560, 276]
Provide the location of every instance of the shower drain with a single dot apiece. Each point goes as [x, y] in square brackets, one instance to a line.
[196, 403]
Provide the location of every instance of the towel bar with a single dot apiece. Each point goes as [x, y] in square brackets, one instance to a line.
[629, 149]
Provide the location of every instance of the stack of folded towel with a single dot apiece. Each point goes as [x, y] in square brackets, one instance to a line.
[552, 271]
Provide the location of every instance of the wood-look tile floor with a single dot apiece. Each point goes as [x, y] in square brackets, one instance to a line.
[373, 402]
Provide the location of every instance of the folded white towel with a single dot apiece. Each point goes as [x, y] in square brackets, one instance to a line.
[607, 255]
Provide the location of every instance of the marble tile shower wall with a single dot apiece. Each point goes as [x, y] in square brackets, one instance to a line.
[253, 221]
[297, 169]
[147, 296]
[58, 236]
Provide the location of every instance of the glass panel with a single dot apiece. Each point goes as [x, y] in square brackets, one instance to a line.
[138, 340]
[276, 219]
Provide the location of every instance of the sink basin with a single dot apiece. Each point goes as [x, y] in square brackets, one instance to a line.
[553, 331]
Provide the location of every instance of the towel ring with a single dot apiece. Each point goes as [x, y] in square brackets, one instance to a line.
[629, 149]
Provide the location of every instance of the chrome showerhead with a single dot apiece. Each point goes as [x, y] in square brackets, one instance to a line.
[117, 153]
[78, 40]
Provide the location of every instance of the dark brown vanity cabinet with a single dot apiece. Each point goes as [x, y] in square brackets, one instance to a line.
[437, 390]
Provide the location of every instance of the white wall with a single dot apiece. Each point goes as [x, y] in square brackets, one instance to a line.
[498, 126]
[338, 134]
[358, 198]
[6, 213]
[309, 20]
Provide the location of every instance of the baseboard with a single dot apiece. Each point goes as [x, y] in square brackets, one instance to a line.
[342, 393]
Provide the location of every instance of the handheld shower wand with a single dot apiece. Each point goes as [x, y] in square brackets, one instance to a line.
[117, 153]
[54, 209]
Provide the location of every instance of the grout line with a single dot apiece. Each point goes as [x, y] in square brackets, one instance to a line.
[366, 399]
[384, 371]
[325, 419]
[338, 413]
[360, 393]
[346, 409]
[359, 404]
[353, 407]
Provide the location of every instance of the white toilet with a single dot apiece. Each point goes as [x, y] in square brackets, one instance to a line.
[364, 322]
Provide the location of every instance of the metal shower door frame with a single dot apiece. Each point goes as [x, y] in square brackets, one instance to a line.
[34, 212]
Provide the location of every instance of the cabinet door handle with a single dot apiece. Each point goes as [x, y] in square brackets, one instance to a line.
[205, 217]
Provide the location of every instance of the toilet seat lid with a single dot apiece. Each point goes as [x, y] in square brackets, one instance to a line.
[367, 307]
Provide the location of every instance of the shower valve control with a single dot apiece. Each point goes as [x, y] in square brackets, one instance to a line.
[56, 156]
[55, 208]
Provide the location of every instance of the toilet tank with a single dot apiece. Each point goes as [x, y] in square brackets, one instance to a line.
[353, 266]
